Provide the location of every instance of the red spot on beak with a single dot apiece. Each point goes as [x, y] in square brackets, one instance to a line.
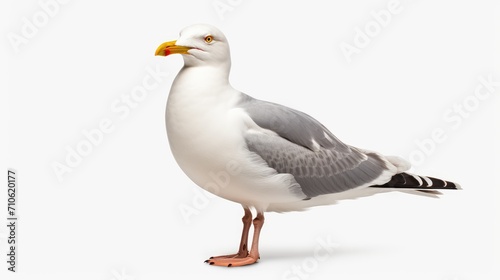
[167, 51]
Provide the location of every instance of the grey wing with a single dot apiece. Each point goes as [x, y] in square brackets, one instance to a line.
[291, 124]
[320, 163]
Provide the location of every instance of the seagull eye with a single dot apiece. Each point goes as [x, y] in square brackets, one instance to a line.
[209, 39]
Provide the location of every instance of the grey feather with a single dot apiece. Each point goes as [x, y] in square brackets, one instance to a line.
[290, 124]
[330, 168]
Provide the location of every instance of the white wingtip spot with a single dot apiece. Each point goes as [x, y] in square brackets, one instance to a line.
[427, 180]
[420, 182]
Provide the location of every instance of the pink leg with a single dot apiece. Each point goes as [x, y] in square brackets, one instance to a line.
[243, 249]
[253, 256]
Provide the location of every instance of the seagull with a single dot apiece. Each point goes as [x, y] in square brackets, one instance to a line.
[265, 156]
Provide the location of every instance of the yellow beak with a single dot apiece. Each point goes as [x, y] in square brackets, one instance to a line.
[169, 48]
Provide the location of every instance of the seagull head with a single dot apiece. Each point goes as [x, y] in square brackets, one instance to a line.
[199, 44]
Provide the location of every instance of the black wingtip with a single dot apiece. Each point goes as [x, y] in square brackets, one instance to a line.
[410, 181]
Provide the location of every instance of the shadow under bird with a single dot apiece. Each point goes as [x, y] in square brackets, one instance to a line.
[275, 158]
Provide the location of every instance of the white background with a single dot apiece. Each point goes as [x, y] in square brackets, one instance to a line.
[116, 215]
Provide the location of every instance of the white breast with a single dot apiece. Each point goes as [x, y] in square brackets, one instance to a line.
[206, 136]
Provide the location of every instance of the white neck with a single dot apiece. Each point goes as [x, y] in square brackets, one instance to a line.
[210, 81]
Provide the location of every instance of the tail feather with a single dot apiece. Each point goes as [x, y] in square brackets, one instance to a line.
[406, 180]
